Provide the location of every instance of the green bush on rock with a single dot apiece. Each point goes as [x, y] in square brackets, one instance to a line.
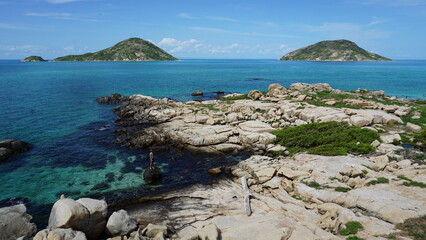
[328, 138]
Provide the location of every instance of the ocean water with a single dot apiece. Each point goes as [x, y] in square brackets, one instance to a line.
[52, 105]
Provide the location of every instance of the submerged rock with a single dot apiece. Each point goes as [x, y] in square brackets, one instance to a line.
[15, 223]
[151, 175]
[197, 93]
[11, 147]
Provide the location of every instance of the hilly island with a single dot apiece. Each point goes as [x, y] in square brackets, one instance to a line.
[338, 50]
[132, 49]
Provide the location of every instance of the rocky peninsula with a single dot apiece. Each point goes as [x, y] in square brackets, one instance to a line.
[337, 50]
[375, 190]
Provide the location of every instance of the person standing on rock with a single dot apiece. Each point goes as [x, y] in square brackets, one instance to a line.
[151, 159]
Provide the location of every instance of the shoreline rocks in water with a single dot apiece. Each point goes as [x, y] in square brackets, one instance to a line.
[232, 126]
[12, 147]
[112, 99]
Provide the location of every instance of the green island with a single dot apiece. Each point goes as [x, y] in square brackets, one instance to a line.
[337, 50]
[132, 49]
[33, 59]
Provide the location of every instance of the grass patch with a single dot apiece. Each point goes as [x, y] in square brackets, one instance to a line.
[379, 180]
[390, 236]
[328, 138]
[411, 183]
[364, 171]
[210, 107]
[421, 138]
[354, 238]
[231, 99]
[296, 197]
[415, 227]
[342, 189]
[261, 111]
[328, 94]
[313, 184]
[352, 227]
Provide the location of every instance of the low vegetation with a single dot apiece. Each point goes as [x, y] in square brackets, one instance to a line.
[410, 183]
[415, 227]
[231, 99]
[352, 227]
[329, 139]
[379, 180]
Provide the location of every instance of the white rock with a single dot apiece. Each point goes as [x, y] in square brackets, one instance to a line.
[120, 223]
[153, 230]
[59, 234]
[380, 162]
[360, 121]
[404, 163]
[68, 213]
[390, 138]
[256, 126]
[209, 231]
[414, 127]
[15, 222]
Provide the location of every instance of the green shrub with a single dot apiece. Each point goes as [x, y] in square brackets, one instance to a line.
[352, 227]
[328, 138]
[231, 99]
[410, 183]
[342, 189]
[379, 180]
[354, 238]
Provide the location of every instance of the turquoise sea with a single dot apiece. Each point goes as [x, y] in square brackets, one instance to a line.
[52, 105]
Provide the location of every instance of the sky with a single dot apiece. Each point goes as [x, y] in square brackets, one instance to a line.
[243, 29]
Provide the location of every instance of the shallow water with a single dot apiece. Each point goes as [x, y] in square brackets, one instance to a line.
[52, 106]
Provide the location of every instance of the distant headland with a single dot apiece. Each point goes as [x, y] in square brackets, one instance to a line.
[338, 50]
[132, 49]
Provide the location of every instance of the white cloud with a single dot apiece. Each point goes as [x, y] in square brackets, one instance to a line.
[174, 45]
[221, 19]
[376, 20]
[12, 26]
[185, 15]
[50, 14]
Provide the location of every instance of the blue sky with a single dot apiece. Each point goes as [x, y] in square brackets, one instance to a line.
[211, 29]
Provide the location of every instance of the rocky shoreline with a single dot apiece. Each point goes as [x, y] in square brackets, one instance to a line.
[300, 196]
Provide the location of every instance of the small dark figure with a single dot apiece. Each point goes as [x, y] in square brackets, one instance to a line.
[151, 159]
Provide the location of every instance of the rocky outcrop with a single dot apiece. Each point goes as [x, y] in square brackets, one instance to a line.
[239, 125]
[112, 99]
[301, 197]
[11, 147]
[15, 223]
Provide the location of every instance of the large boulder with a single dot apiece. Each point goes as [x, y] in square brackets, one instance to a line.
[98, 210]
[151, 175]
[255, 94]
[15, 223]
[68, 213]
[275, 90]
[112, 99]
[11, 147]
[59, 234]
[120, 223]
